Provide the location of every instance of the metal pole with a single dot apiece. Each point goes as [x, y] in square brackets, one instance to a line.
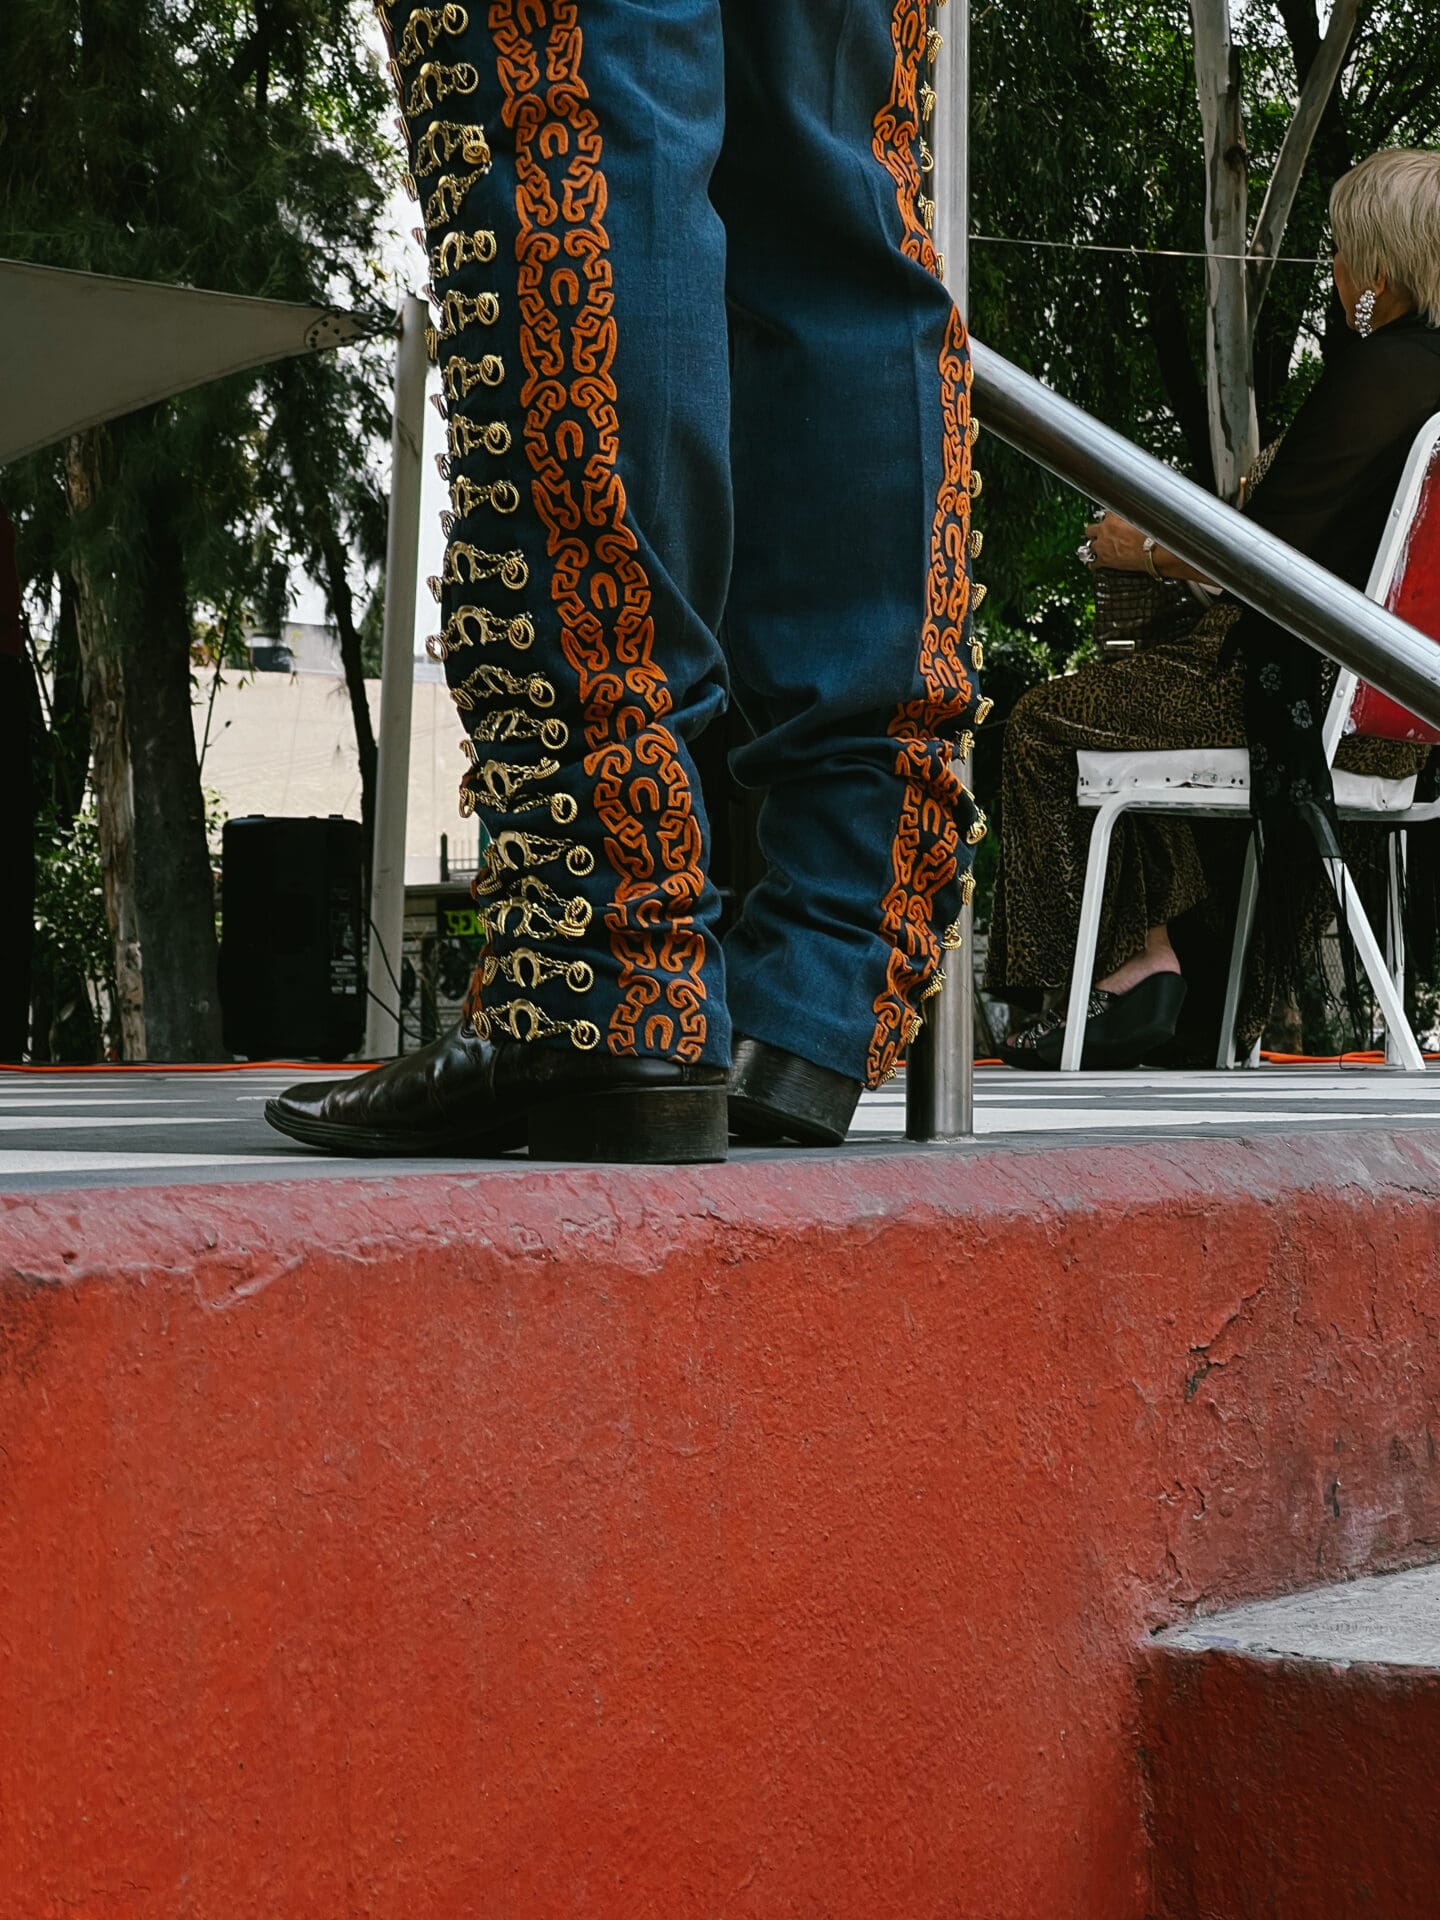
[940, 1074]
[397, 687]
[1222, 544]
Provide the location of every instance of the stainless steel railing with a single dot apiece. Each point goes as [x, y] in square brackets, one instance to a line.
[1226, 547]
[939, 1079]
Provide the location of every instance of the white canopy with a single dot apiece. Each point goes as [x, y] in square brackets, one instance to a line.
[79, 348]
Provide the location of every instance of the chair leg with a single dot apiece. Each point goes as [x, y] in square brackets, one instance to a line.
[1088, 938]
[1401, 1045]
[1395, 928]
[1235, 985]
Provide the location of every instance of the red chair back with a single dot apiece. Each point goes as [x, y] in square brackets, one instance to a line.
[1415, 595]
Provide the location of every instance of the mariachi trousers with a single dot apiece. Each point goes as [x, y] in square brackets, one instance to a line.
[708, 436]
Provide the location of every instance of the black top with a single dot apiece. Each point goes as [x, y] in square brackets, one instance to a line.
[1332, 483]
[1329, 494]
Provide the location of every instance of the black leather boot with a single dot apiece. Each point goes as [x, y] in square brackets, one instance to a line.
[777, 1096]
[467, 1096]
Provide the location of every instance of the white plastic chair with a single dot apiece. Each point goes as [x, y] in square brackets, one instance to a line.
[1213, 783]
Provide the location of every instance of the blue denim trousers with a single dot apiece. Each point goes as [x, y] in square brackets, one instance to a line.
[708, 437]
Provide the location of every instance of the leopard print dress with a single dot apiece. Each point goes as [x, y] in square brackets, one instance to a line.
[1176, 694]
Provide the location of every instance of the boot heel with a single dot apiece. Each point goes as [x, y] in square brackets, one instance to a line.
[778, 1096]
[634, 1126]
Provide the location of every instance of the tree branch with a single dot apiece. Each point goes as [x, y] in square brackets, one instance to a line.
[1315, 92]
[1303, 29]
[253, 60]
[1234, 434]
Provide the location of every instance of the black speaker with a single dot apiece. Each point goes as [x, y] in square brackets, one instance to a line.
[292, 947]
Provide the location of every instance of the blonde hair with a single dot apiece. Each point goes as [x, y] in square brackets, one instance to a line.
[1385, 215]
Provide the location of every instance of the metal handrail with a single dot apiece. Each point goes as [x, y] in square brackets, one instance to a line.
[1219, 542]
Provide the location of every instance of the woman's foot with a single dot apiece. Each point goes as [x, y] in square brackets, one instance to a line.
[1156, 956]
[1040, 1045]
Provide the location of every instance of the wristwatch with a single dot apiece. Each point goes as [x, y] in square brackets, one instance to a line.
[1148, 554]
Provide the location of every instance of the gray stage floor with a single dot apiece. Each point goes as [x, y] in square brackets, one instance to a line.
[70, 1130]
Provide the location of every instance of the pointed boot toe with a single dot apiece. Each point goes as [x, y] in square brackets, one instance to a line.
[437, 1102]
[469, 1097]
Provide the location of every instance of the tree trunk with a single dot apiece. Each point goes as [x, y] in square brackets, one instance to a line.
[65, 1027]
[174, 885]
[19, 732]
[69, 717]
[1234, 429]
[159, 894]
[342, 606]
[86, 460]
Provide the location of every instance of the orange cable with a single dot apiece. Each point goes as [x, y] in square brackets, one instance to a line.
[218, 1066]
[1365, 1059]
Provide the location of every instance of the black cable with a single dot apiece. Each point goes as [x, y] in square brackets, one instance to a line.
[397, 1014]
[421, 982]
[383, 1007]
[385, 958]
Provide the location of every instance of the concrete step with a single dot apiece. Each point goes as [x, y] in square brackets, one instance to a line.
[771, 1540]
[1293, 1748]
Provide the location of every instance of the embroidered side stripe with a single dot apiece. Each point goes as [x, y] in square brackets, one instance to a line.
[927, 852]
[599, 587]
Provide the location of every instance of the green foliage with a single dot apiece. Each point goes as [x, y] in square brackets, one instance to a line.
[241, 146]
[219, 144]
[72, 940]
[1087, 134]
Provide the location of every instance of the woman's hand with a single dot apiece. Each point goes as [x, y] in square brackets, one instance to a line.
[1116, 544]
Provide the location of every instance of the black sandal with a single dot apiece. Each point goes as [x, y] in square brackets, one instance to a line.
[1120, 1031]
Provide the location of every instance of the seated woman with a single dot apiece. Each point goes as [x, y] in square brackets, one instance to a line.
[1235, 679]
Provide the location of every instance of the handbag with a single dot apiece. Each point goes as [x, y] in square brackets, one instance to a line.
[1133, 612]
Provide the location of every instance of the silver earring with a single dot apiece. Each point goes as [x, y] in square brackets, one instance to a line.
[1365, 314]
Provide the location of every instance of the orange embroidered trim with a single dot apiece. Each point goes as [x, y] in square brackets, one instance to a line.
[927, 852]
[600, 587]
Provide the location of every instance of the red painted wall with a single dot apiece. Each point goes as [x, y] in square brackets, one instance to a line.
[763, 1541]
[1292, 1790]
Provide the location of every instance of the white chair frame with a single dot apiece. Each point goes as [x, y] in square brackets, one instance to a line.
[1214, 784]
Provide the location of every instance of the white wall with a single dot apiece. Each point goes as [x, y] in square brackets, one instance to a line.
[285, 744]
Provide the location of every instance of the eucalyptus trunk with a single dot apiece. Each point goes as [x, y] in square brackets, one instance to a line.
[174, 883]
[87, 457]
[1234, 425]
[134, 630]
